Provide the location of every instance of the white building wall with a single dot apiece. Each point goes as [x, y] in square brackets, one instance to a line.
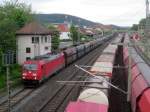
[24, 41]
[44, 44]
[64, 35]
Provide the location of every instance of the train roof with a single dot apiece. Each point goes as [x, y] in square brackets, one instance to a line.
[86, 107]
[110, 49]
[143, 67]
[93, 95]
[105, 57]
[70, 50]
[49, 56]
[44, 58]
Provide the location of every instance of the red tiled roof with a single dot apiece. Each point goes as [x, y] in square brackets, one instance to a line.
[63, 28]
[33, 28]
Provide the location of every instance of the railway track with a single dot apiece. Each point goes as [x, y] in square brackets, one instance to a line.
[14, 93]
[63, 94]
[51, 87]
[16, 99]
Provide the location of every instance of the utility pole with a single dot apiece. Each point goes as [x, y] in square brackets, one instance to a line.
[147, 26]
[78, 31]
[147, 8]
[66, 17]
[8, 59]
[8, 87]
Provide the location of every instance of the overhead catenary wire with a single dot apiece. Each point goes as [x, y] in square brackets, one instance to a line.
[85, 66]
[98, 77]
[80, 85]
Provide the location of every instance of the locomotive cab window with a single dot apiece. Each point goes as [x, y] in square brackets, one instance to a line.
[30, 67]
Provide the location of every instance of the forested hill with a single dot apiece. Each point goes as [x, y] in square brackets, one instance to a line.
[60, 18]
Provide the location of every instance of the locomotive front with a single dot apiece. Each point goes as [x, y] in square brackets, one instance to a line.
[30, 72]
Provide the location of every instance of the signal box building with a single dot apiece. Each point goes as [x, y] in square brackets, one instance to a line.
[33, 40]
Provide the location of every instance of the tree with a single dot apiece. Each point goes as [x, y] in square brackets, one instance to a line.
[55, 37]
[0, 58]
[12, 17]
[74, 34]
[55, 40]
[142, 23]
[134, 27]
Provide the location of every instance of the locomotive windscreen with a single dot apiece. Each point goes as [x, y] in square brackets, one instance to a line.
[30, 67]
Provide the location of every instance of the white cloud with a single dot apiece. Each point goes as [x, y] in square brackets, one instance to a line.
[119, 12]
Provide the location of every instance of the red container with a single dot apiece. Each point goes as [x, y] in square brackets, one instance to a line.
[70, 55]
[138, 86]
[144, 102]
[86, 107]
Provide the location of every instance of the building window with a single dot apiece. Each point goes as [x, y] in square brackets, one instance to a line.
[49, 39]
[35, 39]
[28, 58]
[42, 39]
[28, 50]
[46, 48]
[45, 39]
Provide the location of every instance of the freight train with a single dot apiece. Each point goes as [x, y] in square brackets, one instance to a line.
[140, 79]
[94, 96]
[42, 67]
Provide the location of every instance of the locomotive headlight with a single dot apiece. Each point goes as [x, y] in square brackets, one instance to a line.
[24, 74]
[34, 74]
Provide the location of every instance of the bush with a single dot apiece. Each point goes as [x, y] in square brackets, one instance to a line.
[15, 71]
[14, 76]
[2, 80]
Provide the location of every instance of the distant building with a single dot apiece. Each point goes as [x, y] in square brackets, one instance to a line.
[87, 31]
[33, 40]
[64, 31]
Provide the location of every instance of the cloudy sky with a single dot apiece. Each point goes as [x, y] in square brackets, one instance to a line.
[119, 12]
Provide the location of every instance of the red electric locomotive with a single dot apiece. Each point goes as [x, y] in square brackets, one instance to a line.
[42, 67]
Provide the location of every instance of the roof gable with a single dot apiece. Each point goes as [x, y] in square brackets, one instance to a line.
[63, 28]
[33, 28]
